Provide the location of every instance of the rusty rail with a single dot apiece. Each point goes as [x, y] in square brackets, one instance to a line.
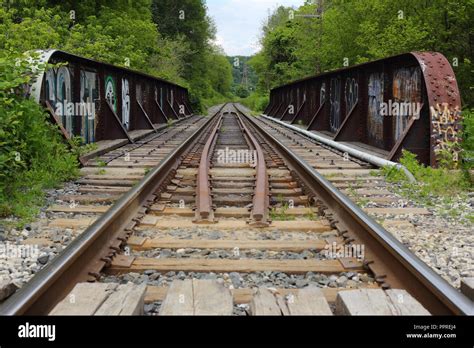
[391, 262]
[204, 210]
[261, 199]
[84, 258]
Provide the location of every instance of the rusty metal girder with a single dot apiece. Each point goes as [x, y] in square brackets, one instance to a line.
[96, 85]
[410, 101]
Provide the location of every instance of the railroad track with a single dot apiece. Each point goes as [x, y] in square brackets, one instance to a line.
[103, 180]
[235, 220]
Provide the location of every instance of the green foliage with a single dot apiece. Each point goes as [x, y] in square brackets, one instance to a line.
[242, 92]
[256, 102]
[468, 139]
[32, 154]
[361, 31]
[435, 187]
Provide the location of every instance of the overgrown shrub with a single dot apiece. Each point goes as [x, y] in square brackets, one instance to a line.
[33, 156]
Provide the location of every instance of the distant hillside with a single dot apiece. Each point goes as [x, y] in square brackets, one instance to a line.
[245, 79]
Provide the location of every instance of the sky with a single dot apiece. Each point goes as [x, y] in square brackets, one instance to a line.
[239, 22]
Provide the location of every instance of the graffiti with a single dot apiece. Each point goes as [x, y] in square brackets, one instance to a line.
[406, 89]
[322, 94]
[59, 91]
[110, 92]
[445, 130]
[335, 98]
[374, 117]
[125, 104]
[351, 93]
[89, 94]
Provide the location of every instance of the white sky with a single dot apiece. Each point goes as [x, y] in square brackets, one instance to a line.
[239, 22]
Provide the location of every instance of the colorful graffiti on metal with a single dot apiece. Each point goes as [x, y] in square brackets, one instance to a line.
[59, 91]
[89, 94]
[111, 92]
[406, 89]
[351, 92]
[125, 104]
[374, 117]
[445, 122]
[335, 112]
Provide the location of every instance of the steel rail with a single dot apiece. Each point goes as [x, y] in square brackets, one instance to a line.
[386, 257]
[92, 249]
[261, 200]
[204, 211]
[372, 159]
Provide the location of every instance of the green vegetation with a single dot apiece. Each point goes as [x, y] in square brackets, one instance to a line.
[438, 188]
[353, 31]
[33, 156]
[171, 39]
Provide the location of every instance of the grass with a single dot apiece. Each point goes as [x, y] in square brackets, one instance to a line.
[445, 190]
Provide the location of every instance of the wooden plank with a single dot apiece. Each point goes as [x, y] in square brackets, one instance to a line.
[362, 302]
[398, 211]
[103, 189]
[244, 295]
[226, 265]
[99, 209]
[102, 182]
[404, 303]
[72, 223]
[127, 300]
[179, 299]
[308, 301]
[211, 298]
[288, 245]
[112, 171]
[264, 303]
[289, 226]
[378, 302]
[87, 199]
[84, 299]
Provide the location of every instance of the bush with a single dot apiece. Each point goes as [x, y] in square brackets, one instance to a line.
[33, 156]
[256, 102]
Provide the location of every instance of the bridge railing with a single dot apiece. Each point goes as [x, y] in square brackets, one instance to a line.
[410, 101]
[99, 101]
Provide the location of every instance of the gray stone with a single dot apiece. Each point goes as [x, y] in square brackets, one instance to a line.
[341, 281]
[350, 275]
[235, 278]
[43, 260]
[165, 253]
[149, 308]
[214, 235]
[171, 274]
[301, 283]
[154, 276]
[209, 277]
[7, 288]
[149, 272]
[181, 275]
[332, 285]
